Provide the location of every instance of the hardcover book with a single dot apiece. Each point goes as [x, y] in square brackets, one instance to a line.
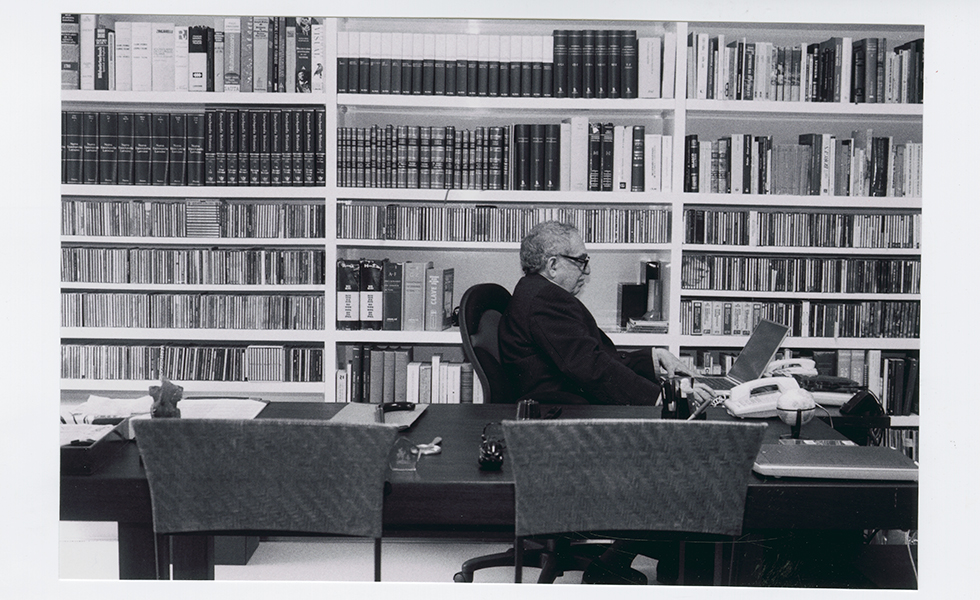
[371, 293]
[70, 50]
[413, 315]
[162, 53]
[438, 298]
[124, 56]
[108, 140]
[348, 294]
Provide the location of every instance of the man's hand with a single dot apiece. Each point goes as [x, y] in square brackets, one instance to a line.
[668, 364]
[699, 391]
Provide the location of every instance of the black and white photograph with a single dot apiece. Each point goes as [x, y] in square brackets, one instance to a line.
[466, 299]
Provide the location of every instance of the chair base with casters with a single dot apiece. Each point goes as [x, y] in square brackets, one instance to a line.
[553, 556]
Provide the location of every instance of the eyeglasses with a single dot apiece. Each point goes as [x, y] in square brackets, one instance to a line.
[581, 261]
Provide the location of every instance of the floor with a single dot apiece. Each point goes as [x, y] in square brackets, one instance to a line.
[89, 551]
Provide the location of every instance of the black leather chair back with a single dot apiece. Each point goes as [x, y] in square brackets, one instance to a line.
[480, 310]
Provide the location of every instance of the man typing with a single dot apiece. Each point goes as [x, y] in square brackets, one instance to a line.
[550, 345]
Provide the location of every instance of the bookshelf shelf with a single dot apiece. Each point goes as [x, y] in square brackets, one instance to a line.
[209, 191]
[816, 203]
[815, 296]
[796, 343]
[177, 99]
[484, 246]
[432, 196]
[202, 335]
[808, 250]
[98, 240]
[185, 287]
[762, 108]
[256, 388]
[408, 338]
[566, 106]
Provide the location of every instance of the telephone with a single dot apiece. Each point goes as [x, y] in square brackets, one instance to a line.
[791, 366]
[756, 399]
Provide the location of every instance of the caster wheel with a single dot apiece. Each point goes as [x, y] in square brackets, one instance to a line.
[462, 578]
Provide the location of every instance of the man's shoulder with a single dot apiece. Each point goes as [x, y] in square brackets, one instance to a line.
[535, 286]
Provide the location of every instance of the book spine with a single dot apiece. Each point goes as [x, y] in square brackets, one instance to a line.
[217, 57]
[143, 148]
[108, 132]
[233, 54]
[70, 51]
[637, 179]
[392, 285]
[606, 161]
[178, 149]
[160, 147]
[195, 148]
[162, 53]
[125, 149]
[348, 294]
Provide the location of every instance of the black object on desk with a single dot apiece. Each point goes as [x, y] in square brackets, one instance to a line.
[85, 456]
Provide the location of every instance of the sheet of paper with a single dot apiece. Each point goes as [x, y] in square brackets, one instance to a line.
[220, 408]
[356, 412]
[72, 432]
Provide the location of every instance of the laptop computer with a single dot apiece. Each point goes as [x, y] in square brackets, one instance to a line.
[762, 345]
[838, 461]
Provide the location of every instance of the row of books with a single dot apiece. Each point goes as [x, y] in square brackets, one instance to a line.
[866, 319]
[493, 223]
[192, 311]
[567, 64]
[819, 165]
[208, 266]
[393, 295]
[802, 229]
[736, 317]
[220, 146]
[378, 373]
[806, 318]
[191, 217]
[812, 274]
[892, 376]
[191, 362]
[839, 69]
[219, 54]
[574, 155]
[441, 157]
[904, 440]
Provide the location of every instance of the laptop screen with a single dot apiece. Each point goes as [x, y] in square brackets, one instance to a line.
[758, 351]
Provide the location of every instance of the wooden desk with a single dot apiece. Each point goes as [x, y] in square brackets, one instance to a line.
[449, 496]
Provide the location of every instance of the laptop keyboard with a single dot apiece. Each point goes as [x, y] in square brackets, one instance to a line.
[718, 383]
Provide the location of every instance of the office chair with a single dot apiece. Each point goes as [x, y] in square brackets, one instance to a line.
[644, 476]
[480, 310]
[264, 477]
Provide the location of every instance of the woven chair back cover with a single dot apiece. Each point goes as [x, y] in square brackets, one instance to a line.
[282, 475]
[578, 475]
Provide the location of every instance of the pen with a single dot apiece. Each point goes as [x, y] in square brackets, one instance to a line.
[699, 410]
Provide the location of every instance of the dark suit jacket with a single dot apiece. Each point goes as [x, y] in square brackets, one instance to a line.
[550, 343]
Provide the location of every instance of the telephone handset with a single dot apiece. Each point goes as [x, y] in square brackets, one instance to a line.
[791, 366]
[756, 399]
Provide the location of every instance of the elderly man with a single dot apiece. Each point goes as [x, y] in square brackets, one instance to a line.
[550, 344]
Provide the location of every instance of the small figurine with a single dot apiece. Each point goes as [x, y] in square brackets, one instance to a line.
[165, 399]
